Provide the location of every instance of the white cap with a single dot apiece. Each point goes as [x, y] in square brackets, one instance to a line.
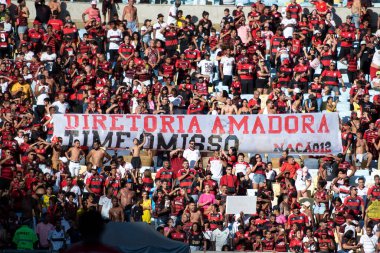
[94, 2]
[3, 2]
[306, 203]
[239, 5]
[297, 90]
[316, 31]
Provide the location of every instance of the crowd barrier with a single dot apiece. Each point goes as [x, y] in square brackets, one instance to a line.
[150, 11]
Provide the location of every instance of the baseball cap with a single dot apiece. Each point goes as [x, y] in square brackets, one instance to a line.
[93, 2]
[239, 5]
[316, 31]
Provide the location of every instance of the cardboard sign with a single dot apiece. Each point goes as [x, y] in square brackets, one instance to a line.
[237, 204]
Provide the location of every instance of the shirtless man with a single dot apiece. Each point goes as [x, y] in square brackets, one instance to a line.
[356, 9]
[135, 151]
[130, 15]
[126, 196]
[97, 155]
[74, 155]
[195, 215]
[361, 150]
[55, 5]
[116, 213]
[57, 148]
[269, 109]
[229, 108]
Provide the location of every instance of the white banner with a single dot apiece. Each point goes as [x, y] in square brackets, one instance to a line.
[314, 133]
[237, 204]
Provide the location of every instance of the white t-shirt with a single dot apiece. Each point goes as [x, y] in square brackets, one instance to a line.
[172, 12]
[228, 63]
[192, 156]
[144, 29]
[42, 96]
[157, 27]
[288, 31]
[74, 189]
[48, 57]
[115, 37]
[4, 87]
[369, 243]
[376, 58]
[60, 107]
[207, 67]
[122, 170]
[312, 247]
[106, 204]
[220, 238]
[216, 168]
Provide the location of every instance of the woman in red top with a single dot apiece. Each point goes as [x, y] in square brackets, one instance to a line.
[231, 157]
[296, 244]
[22, 18]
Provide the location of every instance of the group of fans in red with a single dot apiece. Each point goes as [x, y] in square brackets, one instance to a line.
[263, 61]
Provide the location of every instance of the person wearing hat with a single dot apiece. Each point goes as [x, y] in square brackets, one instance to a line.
[238, 13]
[93, 12]
[158, 26]
[296, 217]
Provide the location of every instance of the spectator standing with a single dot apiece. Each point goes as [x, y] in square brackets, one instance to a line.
[191, 154]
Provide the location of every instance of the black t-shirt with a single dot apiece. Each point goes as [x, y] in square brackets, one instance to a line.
[331, 170]
[137, 212]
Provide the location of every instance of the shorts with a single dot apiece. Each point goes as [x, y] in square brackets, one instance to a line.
[132, 25]
[136, 162]
[147, 39]
[320, 209]
[262, 83]
[333, 88]
[300, 185]
[22, 29]
[361, 157]
[258, 178]
[106, 5]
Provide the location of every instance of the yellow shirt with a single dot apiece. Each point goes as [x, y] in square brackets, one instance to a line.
[180, 22]
[25, 89]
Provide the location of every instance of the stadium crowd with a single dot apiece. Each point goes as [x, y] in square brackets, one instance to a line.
[297, 62]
